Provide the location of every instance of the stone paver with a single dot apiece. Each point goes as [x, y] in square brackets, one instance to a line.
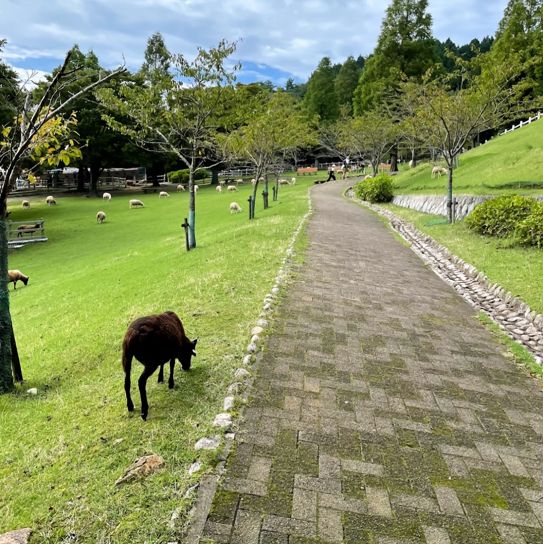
[382, 411]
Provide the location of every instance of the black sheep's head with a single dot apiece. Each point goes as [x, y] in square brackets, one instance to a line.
[187, 354]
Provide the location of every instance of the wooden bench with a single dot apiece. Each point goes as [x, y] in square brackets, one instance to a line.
[307, 170]
[23, 232]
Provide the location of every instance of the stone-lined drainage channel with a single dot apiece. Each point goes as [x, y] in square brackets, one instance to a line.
[513, 315]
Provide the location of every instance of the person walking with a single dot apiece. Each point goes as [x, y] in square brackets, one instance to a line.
[331, 172]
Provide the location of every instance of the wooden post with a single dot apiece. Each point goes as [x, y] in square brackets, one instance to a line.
[185, 225]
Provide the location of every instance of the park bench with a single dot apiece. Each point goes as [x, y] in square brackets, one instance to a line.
[307, 170]
[25, 232]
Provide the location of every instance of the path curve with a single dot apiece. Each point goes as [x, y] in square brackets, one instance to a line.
[382, 411]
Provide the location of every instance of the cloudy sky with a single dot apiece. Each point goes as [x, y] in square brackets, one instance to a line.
[278, 38]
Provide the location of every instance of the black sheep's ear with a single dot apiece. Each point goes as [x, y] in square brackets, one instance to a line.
[194, 342]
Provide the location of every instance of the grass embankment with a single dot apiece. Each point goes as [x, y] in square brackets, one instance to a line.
[512, 163]
[517, 269]
[62, 450]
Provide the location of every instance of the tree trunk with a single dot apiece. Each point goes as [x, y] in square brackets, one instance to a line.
[276, 186]
[6, 375]
[255, 188]
[450, 195]
[95, 170]
[192, 209]
[265, 192]
[394, 159]
[413, 157]
[81, 178]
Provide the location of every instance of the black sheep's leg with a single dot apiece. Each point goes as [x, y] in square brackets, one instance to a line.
[161, 374]
[127, 363]
[172, 367]
[142, 382]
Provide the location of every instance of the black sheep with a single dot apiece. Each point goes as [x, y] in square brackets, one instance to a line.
[154, 340]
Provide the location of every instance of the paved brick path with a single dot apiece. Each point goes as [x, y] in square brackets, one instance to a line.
[382, 412]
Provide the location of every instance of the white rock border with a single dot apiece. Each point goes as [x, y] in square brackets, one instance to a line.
[242, 375]
[512, 315]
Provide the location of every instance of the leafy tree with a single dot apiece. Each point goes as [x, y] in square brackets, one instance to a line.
[520, 34]
[10, 93]
[320, 98]
[103, 146]
[180, 114]
[273, 125]
[448, 120]
[296, 89]
[38, 133]
[346, 82]
[405, 46]
[371, 135]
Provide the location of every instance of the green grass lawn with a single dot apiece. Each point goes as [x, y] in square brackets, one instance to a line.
[517, 269]
[512, 163]
[62, 450]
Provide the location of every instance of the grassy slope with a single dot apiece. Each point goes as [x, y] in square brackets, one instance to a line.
[517, 269]
[62, 450]
[509, 163]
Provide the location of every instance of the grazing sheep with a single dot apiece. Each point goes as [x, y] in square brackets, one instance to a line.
[283, 182]
[293, 181]
[196, 188]
[180, 188]
[438, 170]
[253, 181]
[238, 181]
[235, 207]
[25, 204]
[32, 228]
[106, 196]
[232, 188]
[51, 200]
[154, 340]
[163, 193]
[16, 275]
[134, 203]
[218, 188]
[100, 217]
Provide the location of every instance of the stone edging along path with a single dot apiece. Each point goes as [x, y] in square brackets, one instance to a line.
[237, 391]
[513, 315]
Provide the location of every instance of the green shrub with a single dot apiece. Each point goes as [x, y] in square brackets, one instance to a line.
[182, 176]
[377, 189]
[530, 230]
[500, 216]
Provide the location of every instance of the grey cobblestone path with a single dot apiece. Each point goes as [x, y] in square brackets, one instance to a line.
[382, 412]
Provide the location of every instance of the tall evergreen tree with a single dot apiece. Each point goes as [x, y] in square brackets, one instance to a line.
[157, 57]
[320, 97]
[405, 46]
[520, 34]
[346, 82]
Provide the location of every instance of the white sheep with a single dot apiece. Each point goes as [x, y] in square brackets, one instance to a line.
[106, 196]
[238, 181]
[235, 207]
[253, 181]
[196, 188]
[180, 187]
[163, 193]
[100, 217]
[218, 189]
[232, 188]
[411, 163]
[50, 200]
[438, 170]
[25, 204]
[283, 182]
[134, 203]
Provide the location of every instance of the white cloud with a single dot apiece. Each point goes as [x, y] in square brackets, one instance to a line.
[29, 78]
[289, 35]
